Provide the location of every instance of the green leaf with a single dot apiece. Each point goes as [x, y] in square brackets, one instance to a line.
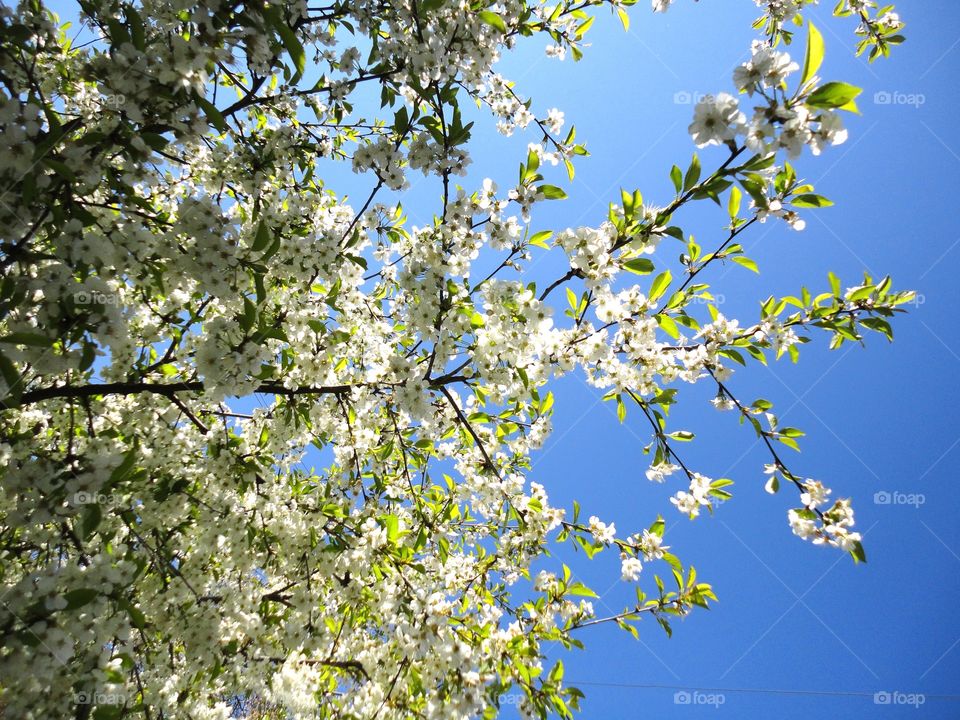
[32, 339]
[581, 590]
[11, 376]
[492, 19]
[137, 30]
[693, 173]
[137, 618]
[810, 200]
[733, 205]
[153, 140]
[262, 238]
[835, 95]
[668, 325]
[834, 284]
[540, 239]
[814, 55]
[60, 169]
[121, 471]
[290, 42]
[640, 266]
[533, 162]
[552, 192]
[214, 116]
[546, 404]
[88, 354]
[249, 317]
[789, 442]
[747, 263]
[660, 284]
[391, 524]
[92, 516]
[878, 325]
[677, 176]
[673, 561]
[79, 597]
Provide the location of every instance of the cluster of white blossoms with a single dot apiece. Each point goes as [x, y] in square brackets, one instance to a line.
[651, 545]
[630, 567]
[505, 104]
[661, 471]
[266, 450]
[782, 10]
[780, 124]
[601, 531]
[695, 497]
[589, 250]
[830, 527]
[767, 69]
[384, 158]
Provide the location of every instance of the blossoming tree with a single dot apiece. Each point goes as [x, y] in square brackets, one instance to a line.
[172, 247]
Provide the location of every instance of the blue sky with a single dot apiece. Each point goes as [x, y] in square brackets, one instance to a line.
[799, 629]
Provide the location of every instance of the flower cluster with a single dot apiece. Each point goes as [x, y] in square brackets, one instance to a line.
[831, 527]
[695, 497]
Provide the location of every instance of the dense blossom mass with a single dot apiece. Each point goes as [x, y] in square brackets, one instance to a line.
[267, 453]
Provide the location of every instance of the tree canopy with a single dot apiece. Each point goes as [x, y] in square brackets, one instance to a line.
[266, 452]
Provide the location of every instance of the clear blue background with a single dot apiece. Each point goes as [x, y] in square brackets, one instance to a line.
[799, 630]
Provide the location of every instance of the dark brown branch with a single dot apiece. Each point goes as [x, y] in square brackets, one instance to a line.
[165, 389]
[469, 428]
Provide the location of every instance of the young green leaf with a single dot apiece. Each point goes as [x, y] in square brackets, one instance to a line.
[814, 55]
[660, 284]
[835, 95]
